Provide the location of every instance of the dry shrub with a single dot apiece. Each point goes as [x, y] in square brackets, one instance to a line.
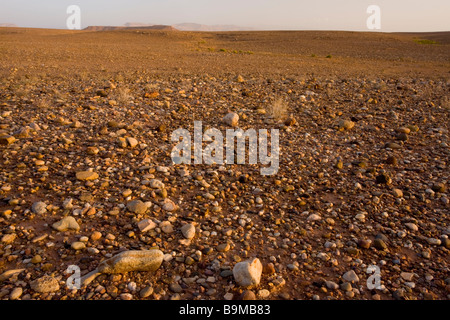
[278, 109]
[123, 95]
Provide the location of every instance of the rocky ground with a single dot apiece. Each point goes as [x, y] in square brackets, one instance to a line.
[87, 179]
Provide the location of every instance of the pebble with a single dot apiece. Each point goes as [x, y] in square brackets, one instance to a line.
[86, 175]
[146, 225]
[137, 206]
[133, 260]
[248, 273]
[45, 284]
[66, 223]
[15, 293]
[39, 208]
[350, 276]
[231, 119]
[146, 292]
[188, 231]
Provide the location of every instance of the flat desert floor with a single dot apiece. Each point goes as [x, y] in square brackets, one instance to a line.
[359, 207]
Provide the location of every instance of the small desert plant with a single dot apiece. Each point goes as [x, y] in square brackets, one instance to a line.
[424, 41]
[313, 55]
[123, 95]
[329, 56]
[278, 109]
[43, 103]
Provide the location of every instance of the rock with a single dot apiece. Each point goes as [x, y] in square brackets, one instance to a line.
[92, 150]
[412, 226]
[96, 235]
[350, 276]
[45, 284]
[188, 231]
[89, 277]
[434, 241]
[132, 142]
[39, 207]
[133, 260]
[399, 294]
[331, 285]
[146, 292]
[231, 119]
[407, 276]
[166, 227]
[228, 296]
[8, 238]
[86, 175]
[391, 160]
[269, 268]
[156, 184]
[67, 204]
[346, 286]
[169, 205]
[9, 273]
[240, 79]
[439, 187]
[146, 225]
[397, 193]
[126, 296]
[175, 288]
[223, 247]
[383, 179]
[78, 245]
[402, 136]
[313, 217]
[379, 244]
[248, 295]
[7, 139]
[346, 125]
[66, 223]
[16, 293]
[36, 259]
[365, 244]
[137, 206]
[290, 121]
[263, 293]
[248, 273]
[392, 145]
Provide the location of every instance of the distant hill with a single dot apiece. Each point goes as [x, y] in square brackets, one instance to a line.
[147, 27]
[203, 27]
[9, 25]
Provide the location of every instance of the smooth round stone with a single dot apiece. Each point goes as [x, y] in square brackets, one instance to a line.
[78, 245]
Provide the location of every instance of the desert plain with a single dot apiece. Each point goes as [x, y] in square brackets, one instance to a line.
[359, 207]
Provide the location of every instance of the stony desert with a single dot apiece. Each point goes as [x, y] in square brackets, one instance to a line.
[87, 181]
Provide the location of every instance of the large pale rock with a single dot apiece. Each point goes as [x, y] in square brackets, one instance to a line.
[133, 260]
[86, 175]
[66, 223]
[188, 231]
[146, 225]
[39, 207]
[248, 273]
[137, 206]
[231, 119]
[9, 273]
[45, 284]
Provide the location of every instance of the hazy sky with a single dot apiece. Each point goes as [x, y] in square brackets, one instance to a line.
[396, 15]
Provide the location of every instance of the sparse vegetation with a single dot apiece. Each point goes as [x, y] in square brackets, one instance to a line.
[278, 109]
[123, 95]
[425, 41]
